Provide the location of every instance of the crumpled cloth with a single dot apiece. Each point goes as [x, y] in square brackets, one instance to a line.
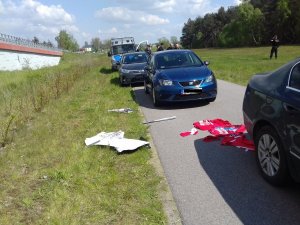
[116, 140]
[193, 131]
[229, 134]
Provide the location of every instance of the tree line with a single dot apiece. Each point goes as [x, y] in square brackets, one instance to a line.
[252, 23]
[66, 41]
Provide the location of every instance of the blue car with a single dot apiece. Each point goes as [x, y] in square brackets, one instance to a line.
[178, 76]
[271, 110]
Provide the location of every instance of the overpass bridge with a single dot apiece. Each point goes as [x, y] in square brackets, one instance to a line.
[18, 53]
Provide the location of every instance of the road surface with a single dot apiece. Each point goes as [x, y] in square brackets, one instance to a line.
[214, 184]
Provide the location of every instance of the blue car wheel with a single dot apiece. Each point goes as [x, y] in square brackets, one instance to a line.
[156, 102]
[145, 87]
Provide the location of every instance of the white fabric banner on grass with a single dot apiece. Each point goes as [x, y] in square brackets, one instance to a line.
[116, 140]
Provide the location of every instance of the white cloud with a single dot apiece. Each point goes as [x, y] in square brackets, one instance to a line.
[157, 6]
[196, 7]
[31, 17]
[184, 8]
[237, 2]
[153, 20]
[1, 7]
[121, 15]
[113, 30]
[115, 13]
[53, 13]
[164, 6]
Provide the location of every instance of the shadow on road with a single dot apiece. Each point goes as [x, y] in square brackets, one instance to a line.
[145, 100]
[234, 173]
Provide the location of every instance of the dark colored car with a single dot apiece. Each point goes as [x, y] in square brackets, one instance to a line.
[271, 111]
[177, 76]
[132, 68]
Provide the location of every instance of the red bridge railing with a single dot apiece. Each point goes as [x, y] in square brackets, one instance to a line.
[8, 42]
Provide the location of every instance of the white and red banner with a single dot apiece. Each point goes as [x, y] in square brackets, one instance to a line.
[229, 134]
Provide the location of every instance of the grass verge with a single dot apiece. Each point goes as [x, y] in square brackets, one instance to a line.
[48, 176]
[237, 65]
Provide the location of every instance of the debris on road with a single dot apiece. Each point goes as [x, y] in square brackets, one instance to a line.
[159, 120]
[123, 110]
[116, 140]
[233, 135]
[193, 131]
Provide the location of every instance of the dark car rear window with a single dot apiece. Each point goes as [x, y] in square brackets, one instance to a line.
[135, 58]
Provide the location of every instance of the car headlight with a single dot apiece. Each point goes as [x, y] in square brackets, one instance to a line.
[209, 79]
[165, 82]
[125, 71]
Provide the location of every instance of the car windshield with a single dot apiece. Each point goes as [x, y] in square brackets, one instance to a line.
[177, 59]
[134, 58]
[120, 49]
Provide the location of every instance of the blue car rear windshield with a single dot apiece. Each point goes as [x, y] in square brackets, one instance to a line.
[135, 58]
[177, 59]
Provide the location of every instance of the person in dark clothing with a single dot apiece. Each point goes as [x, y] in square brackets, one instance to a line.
[160, 47]
[275, 45]
[148, 50]
[170, 47]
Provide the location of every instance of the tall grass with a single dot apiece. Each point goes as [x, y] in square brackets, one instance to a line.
[22, 94]
[47, 174]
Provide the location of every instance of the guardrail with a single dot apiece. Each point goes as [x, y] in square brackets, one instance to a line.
[25, 42]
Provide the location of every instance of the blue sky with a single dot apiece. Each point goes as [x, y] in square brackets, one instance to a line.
[142, 19]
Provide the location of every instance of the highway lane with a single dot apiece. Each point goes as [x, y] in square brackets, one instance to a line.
[214, 184]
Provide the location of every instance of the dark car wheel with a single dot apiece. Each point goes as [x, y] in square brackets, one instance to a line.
[271, 156]
[156, 102]
[145, 88]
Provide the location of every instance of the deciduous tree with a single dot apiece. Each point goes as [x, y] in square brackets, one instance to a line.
[66, 41]
[96, 43]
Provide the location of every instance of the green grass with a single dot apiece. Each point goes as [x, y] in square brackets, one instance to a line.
[17, 78]
[237, 65]
[49, 176]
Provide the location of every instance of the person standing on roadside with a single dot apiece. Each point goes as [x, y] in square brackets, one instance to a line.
[275, 45]
[171, 46]
[160, 47]
[148, 49]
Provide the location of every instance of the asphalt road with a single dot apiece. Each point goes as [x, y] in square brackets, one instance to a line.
[214, 184]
